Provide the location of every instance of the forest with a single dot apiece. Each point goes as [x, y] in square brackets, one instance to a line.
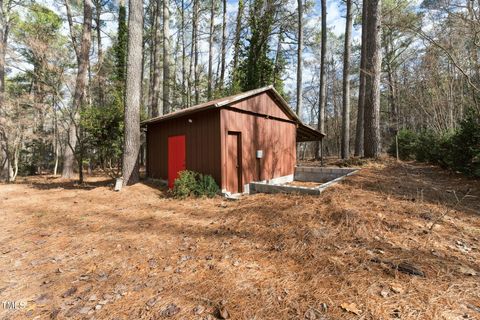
[250, 159]
[76, 77]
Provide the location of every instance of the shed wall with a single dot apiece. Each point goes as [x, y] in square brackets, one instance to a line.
[276, 138]
[202, 135]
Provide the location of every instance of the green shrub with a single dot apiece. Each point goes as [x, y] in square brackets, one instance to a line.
[463, 148]
[184, 186]
[207, 186]
[458, 150]
[190, 183]
[428, 147]
[407, 140]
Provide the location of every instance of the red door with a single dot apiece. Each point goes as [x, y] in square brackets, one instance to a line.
[176, 157]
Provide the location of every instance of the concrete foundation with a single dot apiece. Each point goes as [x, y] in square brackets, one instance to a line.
[326, 176]
[320, 174]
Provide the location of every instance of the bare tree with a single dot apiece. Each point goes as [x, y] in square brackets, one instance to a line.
[278, 56]
[194, 52]
[236, 42]
[210, 50]
[184, 53]
[157, 79]
[299, 58]
[4, 30]
[323, 78]
[361, 90]
[133, 88]
[79, 97]
[346, 83]
[372, 84]
[5, 166]
[100, 71]
[224, 45]
[166, 57]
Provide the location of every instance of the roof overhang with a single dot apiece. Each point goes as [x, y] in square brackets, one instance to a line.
[306, 133]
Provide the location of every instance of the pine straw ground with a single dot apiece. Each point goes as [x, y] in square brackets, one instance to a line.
[79, 252]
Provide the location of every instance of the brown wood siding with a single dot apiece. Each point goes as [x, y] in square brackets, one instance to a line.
[276, 139]
[202, 144]
[261, 104]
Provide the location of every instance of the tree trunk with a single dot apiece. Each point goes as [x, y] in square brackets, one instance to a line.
[372, 85]
[166, 57]
[5, 167]
[210, 51]
[236, 42]
[359, 131]
[152, 47]
[195, 52]
[278, 54]
[6, 171]
[224, 45]
[3, 50]
[299, 59]
[8, 162]
[184, 53]
[346, 84]
[68, 155]
[55, 136]
[100, 72]
[121, 46]
[157, 80]
[323, 79]
[392, 95]
[131, 144]
[191, 71]
[474, 64]
[16, 155]
[79, 95]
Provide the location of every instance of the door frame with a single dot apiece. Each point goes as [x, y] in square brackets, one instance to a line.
[239, 158]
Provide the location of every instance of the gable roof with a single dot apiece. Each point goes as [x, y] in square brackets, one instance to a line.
[304, 132]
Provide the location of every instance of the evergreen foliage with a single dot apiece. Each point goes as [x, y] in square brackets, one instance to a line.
[121, 46]
[185, 185]
[190, 183]
[459, 150]
[257, 68]
[103, 133]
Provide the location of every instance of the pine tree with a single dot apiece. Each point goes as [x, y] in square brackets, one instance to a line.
[359, 131]
[256, 67]
[299, 59]
[234, 87]
[346, 84]
[372, 84]
[131, 149]
[121, 45]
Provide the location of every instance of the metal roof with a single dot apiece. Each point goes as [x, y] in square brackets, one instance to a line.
[304, 132]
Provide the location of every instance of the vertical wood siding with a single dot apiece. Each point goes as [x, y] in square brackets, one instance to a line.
[202, 137]
[276, 138]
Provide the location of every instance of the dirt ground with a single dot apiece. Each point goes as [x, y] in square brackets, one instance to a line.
[306, 184]
[364, 249]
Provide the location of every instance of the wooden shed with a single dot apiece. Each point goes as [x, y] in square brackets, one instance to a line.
[238, 139]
